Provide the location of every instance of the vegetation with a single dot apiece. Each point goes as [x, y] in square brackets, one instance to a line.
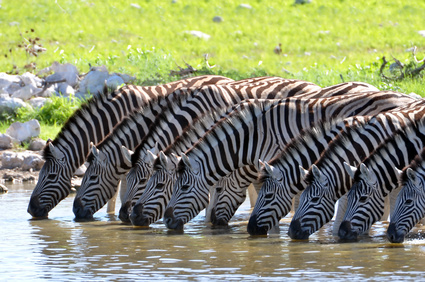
[325, 42]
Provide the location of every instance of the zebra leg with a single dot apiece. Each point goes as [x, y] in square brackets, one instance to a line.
[387, 207]
[211, 204]
[122, 188]
[342, 208]
[110, 207]
[253, 189]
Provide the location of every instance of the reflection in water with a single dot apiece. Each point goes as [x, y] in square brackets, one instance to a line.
[60, 248]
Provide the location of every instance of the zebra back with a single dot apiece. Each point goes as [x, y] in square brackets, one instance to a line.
[90, 124]
[328, 180]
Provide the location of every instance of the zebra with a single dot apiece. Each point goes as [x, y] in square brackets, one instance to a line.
[143, 159]
[108, 164]
[410, 203]
[376, 177]
[327, 180]
[92, 123]
[269, 127]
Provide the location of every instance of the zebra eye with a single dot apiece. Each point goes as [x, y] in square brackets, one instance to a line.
[315, 200]
[143, 180]
[185, 188]
[93, 177]
[363, 199]
[408, 202]
[268, 195]
[160, 186]
[219, 190]
[51, 176]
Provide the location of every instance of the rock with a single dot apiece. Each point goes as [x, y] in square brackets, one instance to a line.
[31, 79]
[3, 189]
[134, 5]
[32, 162]
[422, 32]
[94, 81]
[36, 144]
[67, 71]
[6, 80]
[9, 105]
[245, 6]
[13, 87]
[114, 81]
[37, 102]
[217, 19]
[127, 78]
[302, 1]
[65, 89]
[12, 160]
[414, 95]
[5, 142]
[26, 92]
[81, 171]
[24, 131]
[199, 34]
[49, 92]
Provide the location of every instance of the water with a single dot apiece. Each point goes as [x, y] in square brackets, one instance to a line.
[61, 249]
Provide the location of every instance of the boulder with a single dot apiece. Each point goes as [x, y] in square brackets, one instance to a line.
[114, 81]
[36, 144]
[127, 78]
[24, 131]
[31, 79]
[6, 80]
[5, 142]
[66, 72]
[37, 102]
[26, 92]
[94, 81]
[31, 161]
[3, 189]
[24, 160]
[65, 89]
[9, 105]
[11, 160]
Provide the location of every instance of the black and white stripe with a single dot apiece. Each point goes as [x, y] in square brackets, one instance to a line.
[253, 133]
[91, 124]
[327, 179]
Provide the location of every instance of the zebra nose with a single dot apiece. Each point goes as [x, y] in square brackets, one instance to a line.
[346, 232]
[253, 228]
[393, 235]
[36, 209]
[219, 222]
[80, 211]
[124, 213]
[136, 216]
[296, 232]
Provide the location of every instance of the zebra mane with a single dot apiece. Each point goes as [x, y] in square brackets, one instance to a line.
[416, 164]
[85, 109]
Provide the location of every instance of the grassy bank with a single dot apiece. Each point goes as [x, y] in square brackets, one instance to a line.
[323, 42]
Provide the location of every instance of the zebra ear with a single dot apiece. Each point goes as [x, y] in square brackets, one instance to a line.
[317, 173]
[163, 160]
[56, 153]
[264, 165]
[411, 174]
[190, 164]
[368, 175]
[398, 171]
[351, 170]
[127, 155]
[155, 149]
[150, 157]
[99, 155]
[303, 172]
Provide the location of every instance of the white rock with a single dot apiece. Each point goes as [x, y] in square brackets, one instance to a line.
[13, 87]
[9, 105]
[94, 81]
[199, 34]
[24, 131]
[65, 89]
[67, 71]
[245, 6]
[32, 162]
[134, 5]
[26, 92]
[36, 144]
[81, 171]
[114, 81]
[37, 102]
[5, 142]
[414, 95]
[127, 78]
[30, 79]
[422, 32]
[7, 79]
[49, 92]
[11, 160]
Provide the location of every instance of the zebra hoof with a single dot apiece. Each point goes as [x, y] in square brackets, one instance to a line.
[393, 235]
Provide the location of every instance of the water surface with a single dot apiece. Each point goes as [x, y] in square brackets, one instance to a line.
[60, 248]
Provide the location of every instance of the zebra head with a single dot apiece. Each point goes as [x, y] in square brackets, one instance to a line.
[317, 205]
[190, 194]
[151, 205]
[365, 202]
[271, 205]
[137, 178]
[99, 184]
[410, 205]
[230, 193]
[54, 182]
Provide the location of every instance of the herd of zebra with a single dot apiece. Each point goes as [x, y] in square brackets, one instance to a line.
[207, 141]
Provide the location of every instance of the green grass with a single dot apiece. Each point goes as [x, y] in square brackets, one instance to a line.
[322, 41]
